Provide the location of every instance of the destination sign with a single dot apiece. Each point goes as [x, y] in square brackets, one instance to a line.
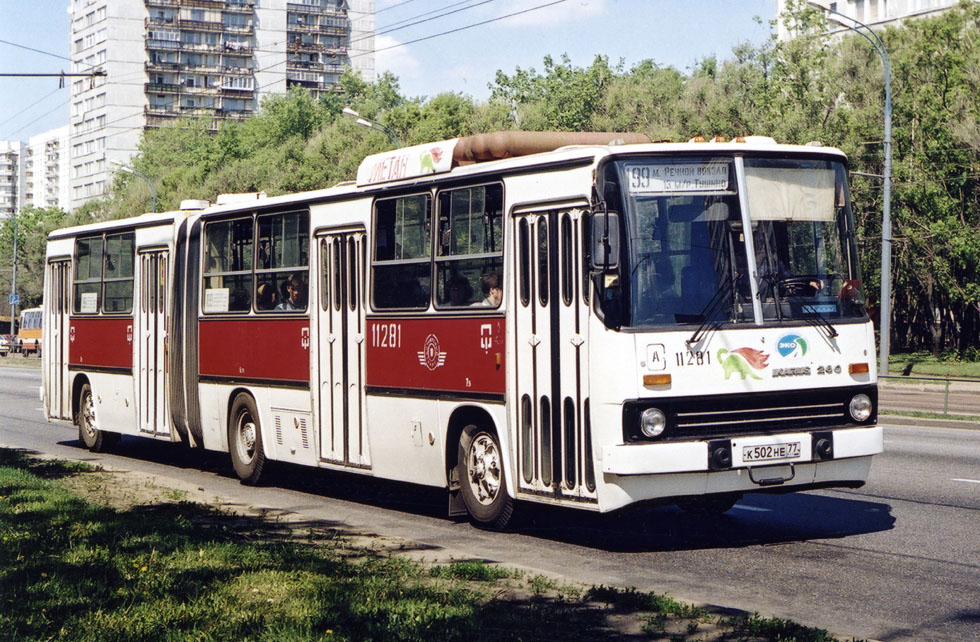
[650, 178]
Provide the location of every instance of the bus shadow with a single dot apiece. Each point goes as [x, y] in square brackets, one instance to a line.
[758, 519]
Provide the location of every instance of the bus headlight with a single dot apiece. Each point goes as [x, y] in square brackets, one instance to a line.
[653, 422]
[860, 407]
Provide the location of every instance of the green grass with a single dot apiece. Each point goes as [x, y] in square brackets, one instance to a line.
[929, 415]
[924, 364]
[75, 570]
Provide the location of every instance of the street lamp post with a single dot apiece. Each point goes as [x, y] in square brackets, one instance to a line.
[886, 216]
[149, 182]
[372, 124]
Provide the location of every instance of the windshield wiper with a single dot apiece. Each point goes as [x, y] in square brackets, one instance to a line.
[725, 288]
[818, 320]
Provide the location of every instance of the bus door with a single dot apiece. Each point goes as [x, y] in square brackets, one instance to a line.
[150, 341]
[56, 338]
[553, 444]
[340, 346]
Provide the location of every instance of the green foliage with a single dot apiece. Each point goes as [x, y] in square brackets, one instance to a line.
[822, 87]
[32, 226]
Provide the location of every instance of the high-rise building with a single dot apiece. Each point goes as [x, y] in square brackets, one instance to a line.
[11, 177]
[46, 170]
[170, 58]
[873, 13]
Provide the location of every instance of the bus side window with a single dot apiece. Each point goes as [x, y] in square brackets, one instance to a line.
[469, 250]
[228, 266]
[401, 268]
[118, 275]
[88, 275]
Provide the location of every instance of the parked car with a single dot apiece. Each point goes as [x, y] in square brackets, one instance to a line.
[4, 344]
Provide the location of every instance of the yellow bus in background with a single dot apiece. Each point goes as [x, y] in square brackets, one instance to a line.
[28, 338]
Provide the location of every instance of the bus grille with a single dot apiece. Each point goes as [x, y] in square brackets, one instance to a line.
[710, 417]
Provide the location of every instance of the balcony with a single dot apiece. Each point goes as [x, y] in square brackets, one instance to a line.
[300, 47]
[161, 88]
[169, 45]
[203, 4]
[162, 3]
[318, 9]
[160, 110]
[200, 25]
[163, 66]
[237, 47]
[239, 6]
[156, 21]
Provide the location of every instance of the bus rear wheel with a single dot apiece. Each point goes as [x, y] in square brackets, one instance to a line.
[94, 439]
[483, 480]
[245, 440]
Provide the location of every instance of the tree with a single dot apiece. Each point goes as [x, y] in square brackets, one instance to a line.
[32, 226]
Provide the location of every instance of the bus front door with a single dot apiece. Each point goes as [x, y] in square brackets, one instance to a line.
[340, 346]
[149, 343]
[56, 339]
[553, 440]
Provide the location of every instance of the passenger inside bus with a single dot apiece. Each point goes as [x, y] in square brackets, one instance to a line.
[294, 293]
[493, 293]
[265, 296]
[460, 292]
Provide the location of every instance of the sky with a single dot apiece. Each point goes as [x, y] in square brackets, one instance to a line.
[487, 36]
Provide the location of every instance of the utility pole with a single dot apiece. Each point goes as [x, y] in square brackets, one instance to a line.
[13, 280]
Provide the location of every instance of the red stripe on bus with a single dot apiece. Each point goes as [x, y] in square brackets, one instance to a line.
[274, 349]
[105, 342]
[463, 355]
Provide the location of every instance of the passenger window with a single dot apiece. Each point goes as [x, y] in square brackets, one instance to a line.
[118, 274]
[282, 260]
[401, 270]
[228, 266]
[469, 242]
[88, 275]
[104, 274]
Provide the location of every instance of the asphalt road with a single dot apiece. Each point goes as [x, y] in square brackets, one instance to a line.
[896, 560]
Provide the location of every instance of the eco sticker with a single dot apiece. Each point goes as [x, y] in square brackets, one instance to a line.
[743, 361]
[792, 346]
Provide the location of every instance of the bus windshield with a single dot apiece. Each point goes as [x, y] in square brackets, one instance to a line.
[726, 240]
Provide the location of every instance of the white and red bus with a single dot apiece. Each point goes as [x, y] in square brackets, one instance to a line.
[578, 320]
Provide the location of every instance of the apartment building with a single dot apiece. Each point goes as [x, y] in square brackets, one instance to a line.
[873, 13]
[11, 177]
[46, 169]
[165, 59]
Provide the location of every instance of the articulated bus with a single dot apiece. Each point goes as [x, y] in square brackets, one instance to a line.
[581, 320]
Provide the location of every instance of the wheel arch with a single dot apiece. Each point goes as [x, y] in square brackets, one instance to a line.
[460, 418]
[229, 404]
[76, 394]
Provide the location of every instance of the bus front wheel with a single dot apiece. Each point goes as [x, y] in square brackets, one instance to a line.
[482, 479]
[245, 440]
[94, 439]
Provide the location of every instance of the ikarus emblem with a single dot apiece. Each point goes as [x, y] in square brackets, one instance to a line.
[431, 356]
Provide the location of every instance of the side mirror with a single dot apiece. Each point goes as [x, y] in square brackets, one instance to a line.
[605, 240]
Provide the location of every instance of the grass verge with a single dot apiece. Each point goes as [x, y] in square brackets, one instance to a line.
[925, 364]
[80, 564]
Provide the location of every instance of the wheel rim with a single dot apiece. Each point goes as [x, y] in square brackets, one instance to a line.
[88, 416]
[483, 469]
[246, 436]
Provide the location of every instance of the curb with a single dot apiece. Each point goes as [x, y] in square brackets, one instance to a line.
[906, 420]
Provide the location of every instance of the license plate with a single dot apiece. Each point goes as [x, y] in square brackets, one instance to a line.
[769, 452]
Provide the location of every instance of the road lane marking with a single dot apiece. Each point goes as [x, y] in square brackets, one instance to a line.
[969, 481]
